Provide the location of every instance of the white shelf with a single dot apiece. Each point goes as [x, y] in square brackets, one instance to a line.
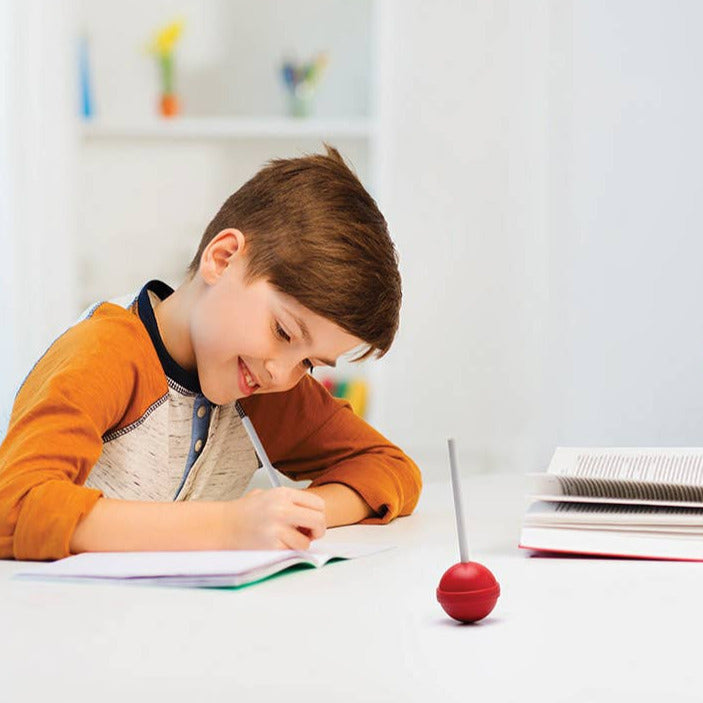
[230, 128]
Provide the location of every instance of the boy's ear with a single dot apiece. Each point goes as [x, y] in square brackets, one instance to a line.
[218, 253]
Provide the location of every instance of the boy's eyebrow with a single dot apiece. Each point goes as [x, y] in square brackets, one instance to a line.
[306, 336]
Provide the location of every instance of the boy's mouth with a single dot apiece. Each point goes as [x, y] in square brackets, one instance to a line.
[247, 383]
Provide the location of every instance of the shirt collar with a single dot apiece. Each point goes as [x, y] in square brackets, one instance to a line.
[188, 379]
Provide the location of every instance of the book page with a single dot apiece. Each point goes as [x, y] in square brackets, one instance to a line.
[554, 487]
[595, 515]
[650, 545]
[676, 465]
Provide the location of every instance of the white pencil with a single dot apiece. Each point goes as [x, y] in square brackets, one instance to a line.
[458, 503]
[258, 447]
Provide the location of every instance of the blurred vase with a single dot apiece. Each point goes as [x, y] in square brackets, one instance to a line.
[168, 105]
[301, 100]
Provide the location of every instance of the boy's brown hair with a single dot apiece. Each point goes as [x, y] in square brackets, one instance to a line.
[315, 234]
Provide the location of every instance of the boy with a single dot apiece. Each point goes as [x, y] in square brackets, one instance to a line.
[125, 435]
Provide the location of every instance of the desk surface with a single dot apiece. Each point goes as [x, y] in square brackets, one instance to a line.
[566, 630]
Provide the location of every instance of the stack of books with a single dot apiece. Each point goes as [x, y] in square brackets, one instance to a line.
[627, 502]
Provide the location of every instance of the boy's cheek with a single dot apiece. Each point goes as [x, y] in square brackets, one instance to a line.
[283, 387]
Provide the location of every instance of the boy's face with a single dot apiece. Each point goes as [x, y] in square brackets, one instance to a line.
[251, 333]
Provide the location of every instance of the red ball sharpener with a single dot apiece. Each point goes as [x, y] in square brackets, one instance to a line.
[468, 591]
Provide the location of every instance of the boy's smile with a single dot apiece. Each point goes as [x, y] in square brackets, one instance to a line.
[244, 338]
[247, 383]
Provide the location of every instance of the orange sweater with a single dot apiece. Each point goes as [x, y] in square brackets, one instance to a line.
[107, 412]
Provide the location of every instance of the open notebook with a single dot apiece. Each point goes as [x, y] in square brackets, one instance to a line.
[194, 569]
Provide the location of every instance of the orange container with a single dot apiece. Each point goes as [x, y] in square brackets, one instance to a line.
[168, 105]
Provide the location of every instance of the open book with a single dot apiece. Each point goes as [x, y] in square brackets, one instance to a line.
[196, 569]
[618, 502]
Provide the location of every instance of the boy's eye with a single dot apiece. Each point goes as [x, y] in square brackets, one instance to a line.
[282, 333]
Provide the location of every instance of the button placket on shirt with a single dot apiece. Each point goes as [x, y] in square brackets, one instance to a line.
[202, 415]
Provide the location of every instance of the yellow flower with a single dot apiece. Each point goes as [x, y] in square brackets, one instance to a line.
[166, 39]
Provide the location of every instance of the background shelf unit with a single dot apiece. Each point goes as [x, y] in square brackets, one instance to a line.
[231, 128]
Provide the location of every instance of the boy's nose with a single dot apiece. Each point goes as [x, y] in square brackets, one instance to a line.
[283, 371]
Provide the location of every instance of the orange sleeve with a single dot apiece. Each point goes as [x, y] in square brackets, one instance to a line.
[308, 434]
[80, 388]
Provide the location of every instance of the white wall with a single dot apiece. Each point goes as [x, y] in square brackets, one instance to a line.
[543, 181]
[38, 265]
[7, 253]
[630, 306]
[465, 197]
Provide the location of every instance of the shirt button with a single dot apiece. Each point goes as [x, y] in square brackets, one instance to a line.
[201, 411]
[198, 445]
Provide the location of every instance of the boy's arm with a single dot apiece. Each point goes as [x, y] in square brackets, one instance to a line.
[343, 505]
[83, 385]
[124, 525]
[310, 435]
[282, 518]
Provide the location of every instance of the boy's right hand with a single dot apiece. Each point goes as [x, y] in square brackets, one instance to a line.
[279, 518]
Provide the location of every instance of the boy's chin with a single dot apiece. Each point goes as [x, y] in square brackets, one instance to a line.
[225, 398]
[218, 397]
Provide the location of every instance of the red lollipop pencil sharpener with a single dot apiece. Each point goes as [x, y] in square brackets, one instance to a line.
[468, 591]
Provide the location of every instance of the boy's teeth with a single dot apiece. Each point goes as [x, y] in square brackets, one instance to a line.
[250, 383]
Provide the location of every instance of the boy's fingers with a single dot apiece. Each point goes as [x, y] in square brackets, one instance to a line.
[312, 533]
[312, 520]
[294, 539]
[309, 500]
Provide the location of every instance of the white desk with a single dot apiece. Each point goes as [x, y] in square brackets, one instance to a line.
[564, 630]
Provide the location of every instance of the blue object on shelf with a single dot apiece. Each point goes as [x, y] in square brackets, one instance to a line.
[84, 69]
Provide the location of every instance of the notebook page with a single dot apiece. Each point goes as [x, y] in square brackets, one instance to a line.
[125, 565]
[676, 465]
[195, 565]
